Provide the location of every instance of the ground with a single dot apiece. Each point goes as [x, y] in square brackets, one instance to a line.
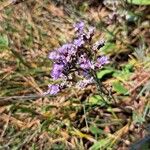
[73, 119]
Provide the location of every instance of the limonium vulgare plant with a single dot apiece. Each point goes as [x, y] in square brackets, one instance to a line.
[77, 62]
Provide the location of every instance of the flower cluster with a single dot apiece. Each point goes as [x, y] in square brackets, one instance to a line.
[78, 58]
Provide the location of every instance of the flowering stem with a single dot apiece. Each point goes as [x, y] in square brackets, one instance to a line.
[102, 89]
[98, 84]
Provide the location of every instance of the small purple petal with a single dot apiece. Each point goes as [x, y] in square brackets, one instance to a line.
[90, 33]
[85, 82]
[53, 89]
[54, 55]
[57, 71]
[85, 63]
[62, 50]
[79, 26]
[67, 48]
[78, 42]
[102, 61]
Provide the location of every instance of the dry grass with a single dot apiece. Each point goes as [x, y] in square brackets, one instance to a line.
[28, 31]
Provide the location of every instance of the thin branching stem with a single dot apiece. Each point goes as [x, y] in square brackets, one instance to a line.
[102, 89]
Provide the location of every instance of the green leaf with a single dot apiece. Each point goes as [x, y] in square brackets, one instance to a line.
[119, 88]
[139, 2]
[96, 100]
[108, 47]
[124, 74]
[128, 67]
[102, 144]
[3, 42]
[95, 130]
[104, 72]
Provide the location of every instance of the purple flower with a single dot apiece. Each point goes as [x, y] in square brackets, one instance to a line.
[75, 59]
[57, 71]
[79, 26]
[54, 55]
[63, 54]
[72, 51]
[78, 42]
[85, 63]
[90, 33]
[53, 89]
[67, 46]
[67, 49]
[85, 82]
[64, 49]
[102, 61]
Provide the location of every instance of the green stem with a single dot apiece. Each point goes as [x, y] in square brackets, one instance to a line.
[102, 89]
[99, 86]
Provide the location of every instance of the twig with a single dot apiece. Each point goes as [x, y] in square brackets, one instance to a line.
[85, 117]
[139, 84]
[6, 125]
[14, 99]
[102, 89]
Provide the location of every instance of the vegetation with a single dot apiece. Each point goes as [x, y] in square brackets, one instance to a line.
[75, 118]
